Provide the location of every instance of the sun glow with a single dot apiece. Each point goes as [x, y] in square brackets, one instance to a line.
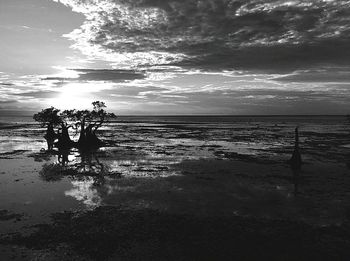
[78, 95]
[65, 73]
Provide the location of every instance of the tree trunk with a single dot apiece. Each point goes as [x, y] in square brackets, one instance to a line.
[92, 139]
[82, 136]
[89, 140]
[50, 136]
[64, 140]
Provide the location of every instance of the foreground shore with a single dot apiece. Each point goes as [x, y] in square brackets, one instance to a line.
[112, 233]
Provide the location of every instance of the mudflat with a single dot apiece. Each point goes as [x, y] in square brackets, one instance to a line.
[179, 188]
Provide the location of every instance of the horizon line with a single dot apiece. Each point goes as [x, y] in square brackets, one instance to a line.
[28, 114]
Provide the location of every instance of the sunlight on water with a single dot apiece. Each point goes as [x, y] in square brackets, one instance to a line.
[84, 191]
[10, 144]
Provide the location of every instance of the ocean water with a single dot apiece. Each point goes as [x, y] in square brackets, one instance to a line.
[195, 164]
[321, 137]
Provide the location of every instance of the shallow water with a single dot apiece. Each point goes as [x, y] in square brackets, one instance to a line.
[196, 165]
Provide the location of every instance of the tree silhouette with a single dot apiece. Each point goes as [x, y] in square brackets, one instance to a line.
[88, 122]
[85, 122]
[50, 119]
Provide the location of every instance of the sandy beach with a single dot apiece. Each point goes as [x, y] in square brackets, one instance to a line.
[178, 188]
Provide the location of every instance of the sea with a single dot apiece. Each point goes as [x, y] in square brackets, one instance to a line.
[200, 165]
[325, 137]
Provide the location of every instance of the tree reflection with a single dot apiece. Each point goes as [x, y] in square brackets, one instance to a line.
[76, 165]
[296, 180]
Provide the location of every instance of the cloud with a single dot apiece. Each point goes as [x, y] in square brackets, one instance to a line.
[3, 102]
[100, 75]
[323, 75]
[252, 34]
[38, 94]
[189, 92]
[131, 92]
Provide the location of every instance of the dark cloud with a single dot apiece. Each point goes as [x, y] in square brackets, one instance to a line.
[7, 101]
[38, 94]
[6, 84]
[293, 95]
[102, 75]
[268, 101]
[16, 111]
[318, 75]
[108, 75]
[133, 91]
[252, 34]
[278, 58]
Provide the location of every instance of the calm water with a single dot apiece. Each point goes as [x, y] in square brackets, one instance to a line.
[197, 164]
[321, 136]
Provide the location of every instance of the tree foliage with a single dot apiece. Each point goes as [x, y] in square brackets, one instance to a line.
[48, 116]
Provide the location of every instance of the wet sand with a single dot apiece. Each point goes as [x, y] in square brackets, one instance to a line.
[174, 189]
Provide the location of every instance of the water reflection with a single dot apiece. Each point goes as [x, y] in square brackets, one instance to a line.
[296, 181]
[83, 168]
[96, 175]
[86, 192]
[75, 164]
[115, 177]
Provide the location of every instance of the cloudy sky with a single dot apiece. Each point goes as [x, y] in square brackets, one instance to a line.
[176, 56]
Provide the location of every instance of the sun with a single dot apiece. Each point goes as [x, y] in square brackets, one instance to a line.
[73, 96]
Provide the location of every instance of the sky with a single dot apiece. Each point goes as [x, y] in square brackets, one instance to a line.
[176, 57]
